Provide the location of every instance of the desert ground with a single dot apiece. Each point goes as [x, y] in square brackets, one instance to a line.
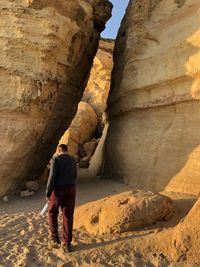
[24, 233]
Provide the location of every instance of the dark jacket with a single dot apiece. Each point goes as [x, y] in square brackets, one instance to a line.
[62, 172]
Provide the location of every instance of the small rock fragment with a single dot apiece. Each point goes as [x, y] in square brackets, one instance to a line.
[26, 193]
[5, 199]
[32, 186]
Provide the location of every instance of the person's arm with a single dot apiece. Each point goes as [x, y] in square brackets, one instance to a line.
[51, 179]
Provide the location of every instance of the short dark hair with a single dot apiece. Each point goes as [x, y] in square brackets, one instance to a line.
[63, 148]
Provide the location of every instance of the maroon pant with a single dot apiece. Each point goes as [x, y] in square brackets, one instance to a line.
[64, 197]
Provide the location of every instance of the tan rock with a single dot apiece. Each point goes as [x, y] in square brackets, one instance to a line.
[32, 186]
[84, 162]
[154, 109]
[98, 87]
[89, 148]
[184, 237]
[81, 128]
[123, 212]
[76, 158]
[26, 193]
[5, 199]
[47, 49]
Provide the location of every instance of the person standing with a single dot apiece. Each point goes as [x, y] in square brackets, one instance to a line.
[60, 193]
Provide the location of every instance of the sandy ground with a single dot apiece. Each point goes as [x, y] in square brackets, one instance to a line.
[24, 233]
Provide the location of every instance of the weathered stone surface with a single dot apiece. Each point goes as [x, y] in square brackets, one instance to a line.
[81, 128]
[32, 186]
[26, 193]
[123, 212]
[89, 147]
[84, 163]
[5, 199]
[47, 49]
[185, 237]
[98, 87]
[154, 107]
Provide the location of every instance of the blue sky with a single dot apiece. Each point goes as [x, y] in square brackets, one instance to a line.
[112, 26]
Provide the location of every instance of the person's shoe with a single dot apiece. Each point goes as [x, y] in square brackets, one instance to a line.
[54, 243]
[67, 248]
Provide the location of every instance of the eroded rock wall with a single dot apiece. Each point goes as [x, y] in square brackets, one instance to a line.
[98, 87]
[154, 108]
[47, 49]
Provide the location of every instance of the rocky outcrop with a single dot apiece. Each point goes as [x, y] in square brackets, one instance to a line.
[47, 49]
[185, 237]
[123, 212]
[154, 110]
[81, 129]
[98, 87]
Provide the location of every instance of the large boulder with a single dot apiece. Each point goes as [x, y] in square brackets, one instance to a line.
[154, 109]
[123, 212]
[47, 50]
[81, 129]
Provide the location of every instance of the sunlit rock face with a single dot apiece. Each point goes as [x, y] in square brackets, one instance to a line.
[47, 49]
[184, 237]
[123, 212]
[98, 87]
[81, 129]
[154, 108]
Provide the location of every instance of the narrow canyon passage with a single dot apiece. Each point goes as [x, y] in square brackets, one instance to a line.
[86, 135]
[128, 109]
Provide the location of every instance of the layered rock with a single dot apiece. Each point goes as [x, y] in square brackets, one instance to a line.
[98, 87]
[81, 129]
[154, 139]
[47, 49]
[123, 212]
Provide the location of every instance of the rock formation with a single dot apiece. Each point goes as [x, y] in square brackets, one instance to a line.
[123, 212]
[98, 158]
[185, 237]
[96, 95]
[154, 107]
[98, 87]
[47, 49]
[81, 129]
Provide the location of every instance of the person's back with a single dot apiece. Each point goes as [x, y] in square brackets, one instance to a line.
[60, 192]
[66, 170]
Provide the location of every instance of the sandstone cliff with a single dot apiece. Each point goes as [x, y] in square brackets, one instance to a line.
[47, 49]
[154, 106]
